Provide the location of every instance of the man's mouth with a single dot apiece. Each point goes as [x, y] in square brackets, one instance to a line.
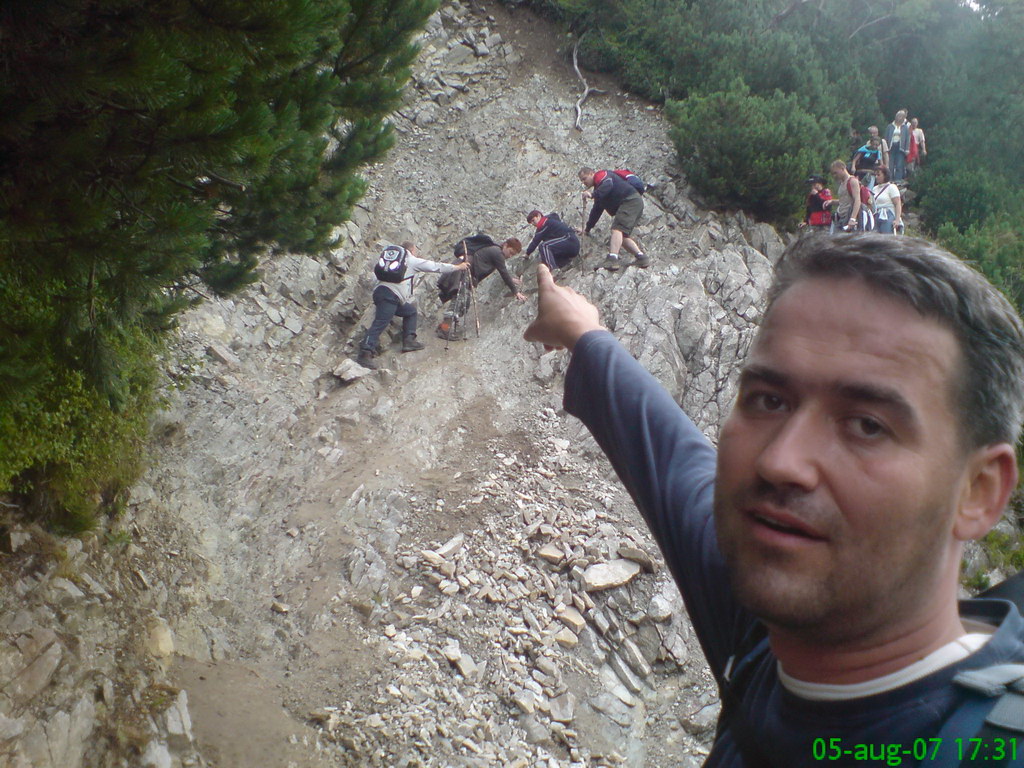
[786, 524]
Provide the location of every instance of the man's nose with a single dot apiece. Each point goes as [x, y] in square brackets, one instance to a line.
[793, 454]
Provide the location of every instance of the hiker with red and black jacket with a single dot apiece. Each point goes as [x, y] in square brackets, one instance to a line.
[611, 192]
[556, 241]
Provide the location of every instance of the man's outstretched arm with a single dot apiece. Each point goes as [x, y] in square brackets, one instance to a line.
[660, 456]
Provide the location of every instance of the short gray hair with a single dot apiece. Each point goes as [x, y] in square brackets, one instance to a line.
[940, 286]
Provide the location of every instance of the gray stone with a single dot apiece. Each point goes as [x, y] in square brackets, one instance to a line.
[36, 676]
[637, 555]
[608, 575]
[349, 370]
[563, 708]
[659, 609]
[179, 723]
[701, 721]
[222, 353]
[11, 727]
[156, 756]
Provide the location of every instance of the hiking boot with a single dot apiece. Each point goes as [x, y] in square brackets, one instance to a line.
[409, 344]
[366, 360]
[611, 263]
[642, 260]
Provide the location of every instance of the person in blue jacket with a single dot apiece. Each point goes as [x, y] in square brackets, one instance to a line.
[557, 242]
[818, 547]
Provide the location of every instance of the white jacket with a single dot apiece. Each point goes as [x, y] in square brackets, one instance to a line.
[414, 265]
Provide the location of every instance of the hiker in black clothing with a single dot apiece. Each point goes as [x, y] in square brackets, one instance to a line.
[485, 257]
[555, 239]
[610, 192]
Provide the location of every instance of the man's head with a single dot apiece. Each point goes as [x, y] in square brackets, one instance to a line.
[873, 434]
[410, 246]
[872, 130]
[838, 169]
[901, 116]
[874, 142]
[587, 177]
[533, 217]
[511, 247]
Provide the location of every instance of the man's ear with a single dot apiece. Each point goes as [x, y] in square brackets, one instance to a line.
[991, 477]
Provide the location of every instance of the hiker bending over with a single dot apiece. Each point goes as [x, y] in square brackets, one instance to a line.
[611, 192]
[396, 272]
[818, 547]
[555, 240]
[483, 257]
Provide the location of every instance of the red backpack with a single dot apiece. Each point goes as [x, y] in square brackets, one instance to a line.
[623, 173]
[865, 195]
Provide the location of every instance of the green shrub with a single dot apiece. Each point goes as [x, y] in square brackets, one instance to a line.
[996, 247]
[952, 193]
[749, 151]
[67, 450]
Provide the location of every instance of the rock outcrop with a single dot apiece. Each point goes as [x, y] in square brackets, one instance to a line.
[426, 565]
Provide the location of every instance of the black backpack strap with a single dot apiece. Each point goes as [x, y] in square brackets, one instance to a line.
[984, 732]
[737, 671]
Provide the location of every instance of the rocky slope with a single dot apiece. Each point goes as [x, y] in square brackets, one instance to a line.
[428, 565]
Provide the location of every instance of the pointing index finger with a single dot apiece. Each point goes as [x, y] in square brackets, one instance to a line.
[545, 280]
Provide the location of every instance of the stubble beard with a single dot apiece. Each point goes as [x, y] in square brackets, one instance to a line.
[770, 584]
[839, 604]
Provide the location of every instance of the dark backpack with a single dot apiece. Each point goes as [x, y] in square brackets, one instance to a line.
[473, 243]
[390, 267]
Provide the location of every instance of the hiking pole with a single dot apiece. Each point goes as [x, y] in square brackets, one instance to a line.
[583, 224]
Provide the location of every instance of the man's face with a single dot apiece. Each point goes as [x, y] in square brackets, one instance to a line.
[838, 172]
[587, 179]
[840, 466]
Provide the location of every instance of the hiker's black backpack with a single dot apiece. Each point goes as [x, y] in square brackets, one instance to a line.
[473, 243]
[448, 284]
[391, 266]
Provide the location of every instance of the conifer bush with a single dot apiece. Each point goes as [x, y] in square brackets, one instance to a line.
[152, 151]
[748, 151]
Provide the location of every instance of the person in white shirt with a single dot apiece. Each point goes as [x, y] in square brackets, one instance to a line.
[887, 203]
[395, 297]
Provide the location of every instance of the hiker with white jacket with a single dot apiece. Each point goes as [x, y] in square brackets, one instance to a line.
[396, 271]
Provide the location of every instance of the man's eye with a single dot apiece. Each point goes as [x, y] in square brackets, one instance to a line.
[765, 402]
[865, 426]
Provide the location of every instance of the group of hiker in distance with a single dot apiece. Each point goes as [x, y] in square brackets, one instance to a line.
[617, 192]
[869, 196]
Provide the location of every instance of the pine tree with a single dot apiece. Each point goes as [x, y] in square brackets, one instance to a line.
[149, 148]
